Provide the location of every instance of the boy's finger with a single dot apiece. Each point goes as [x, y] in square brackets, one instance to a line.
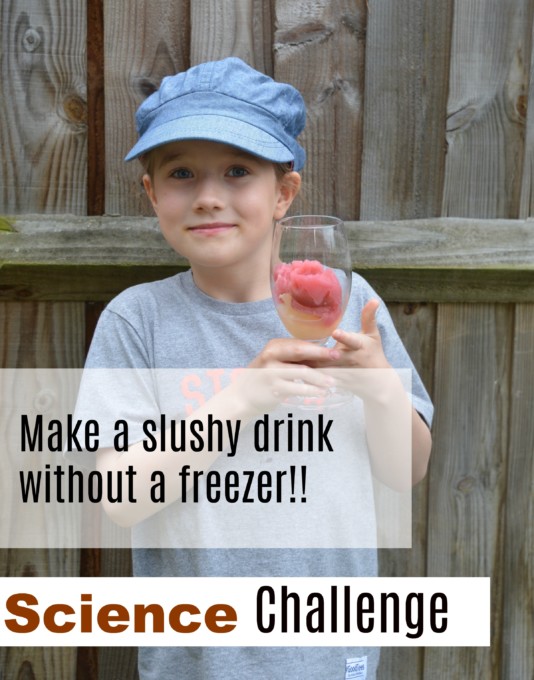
[302, 352]
[290, 350]
[353, 341]
[368, 320]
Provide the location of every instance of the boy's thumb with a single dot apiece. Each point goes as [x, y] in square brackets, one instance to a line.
[369, 326]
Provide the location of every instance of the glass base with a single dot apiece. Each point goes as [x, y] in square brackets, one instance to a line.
[334, 398]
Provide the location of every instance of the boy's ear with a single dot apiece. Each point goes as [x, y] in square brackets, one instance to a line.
[149, 188]
[288, 189]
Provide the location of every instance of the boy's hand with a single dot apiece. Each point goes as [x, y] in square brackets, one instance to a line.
[363, 349]
[290, 352]
[289, 373]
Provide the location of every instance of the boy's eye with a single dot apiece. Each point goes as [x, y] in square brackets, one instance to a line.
[181, 173]
[237, 171]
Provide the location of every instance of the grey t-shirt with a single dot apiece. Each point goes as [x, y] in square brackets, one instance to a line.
[172, 324]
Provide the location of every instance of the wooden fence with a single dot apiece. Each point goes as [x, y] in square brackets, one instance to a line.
[420, 135]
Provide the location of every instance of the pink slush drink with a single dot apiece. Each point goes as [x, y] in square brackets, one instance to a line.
[308, 297]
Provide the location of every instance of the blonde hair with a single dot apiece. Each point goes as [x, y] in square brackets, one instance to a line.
[147, 161]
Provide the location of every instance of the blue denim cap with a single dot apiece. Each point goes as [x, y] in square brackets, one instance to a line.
[224, 101]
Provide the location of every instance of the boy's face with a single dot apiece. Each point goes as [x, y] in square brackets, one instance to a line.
[216, 203]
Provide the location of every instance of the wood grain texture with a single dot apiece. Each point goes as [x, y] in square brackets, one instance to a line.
[238, 28]
[143, 42]
[41, 334]
[319, 48]
[426, 243]
[406, 77]
[467, 480]
[488, 88]
[517, 659]
[43, 112]
[33, 663]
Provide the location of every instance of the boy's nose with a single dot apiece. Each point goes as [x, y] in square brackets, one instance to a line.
[209, 196]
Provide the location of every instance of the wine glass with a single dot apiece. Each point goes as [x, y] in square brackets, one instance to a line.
[311, 277]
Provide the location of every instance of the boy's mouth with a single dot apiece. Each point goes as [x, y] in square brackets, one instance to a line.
[212, 228]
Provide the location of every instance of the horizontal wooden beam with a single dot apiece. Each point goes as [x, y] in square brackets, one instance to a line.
[51, 257]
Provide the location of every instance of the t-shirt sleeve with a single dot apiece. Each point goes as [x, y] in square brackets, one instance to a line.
[117, 343]
[117, 386]
[398, 357]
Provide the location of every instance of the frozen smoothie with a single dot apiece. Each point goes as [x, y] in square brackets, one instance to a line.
[308, 297]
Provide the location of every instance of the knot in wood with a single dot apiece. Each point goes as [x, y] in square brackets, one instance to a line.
[44, 400]
[355, 23]
[461, 119]
[410, 308]
[21, 293]
[31, 40]
[521, 107]
[75, 109]
[304, 34]
[26, 671]
[144, 86]
[466, 484]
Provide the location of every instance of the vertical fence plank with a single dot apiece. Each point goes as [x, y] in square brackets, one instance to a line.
[88, 659]
[406, 76]
[517, 659]
[467, 482]
[116, 662]
[239, 28]
[416, 325]
[526, 208]
[45, 335]
[96, 172]
[486, 109]
[43, 114]
[319, 48]
[143, 42]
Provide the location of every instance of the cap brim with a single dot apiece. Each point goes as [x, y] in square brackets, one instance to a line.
[214, 128]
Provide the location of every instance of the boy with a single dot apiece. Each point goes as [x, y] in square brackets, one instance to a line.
[219, 146]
